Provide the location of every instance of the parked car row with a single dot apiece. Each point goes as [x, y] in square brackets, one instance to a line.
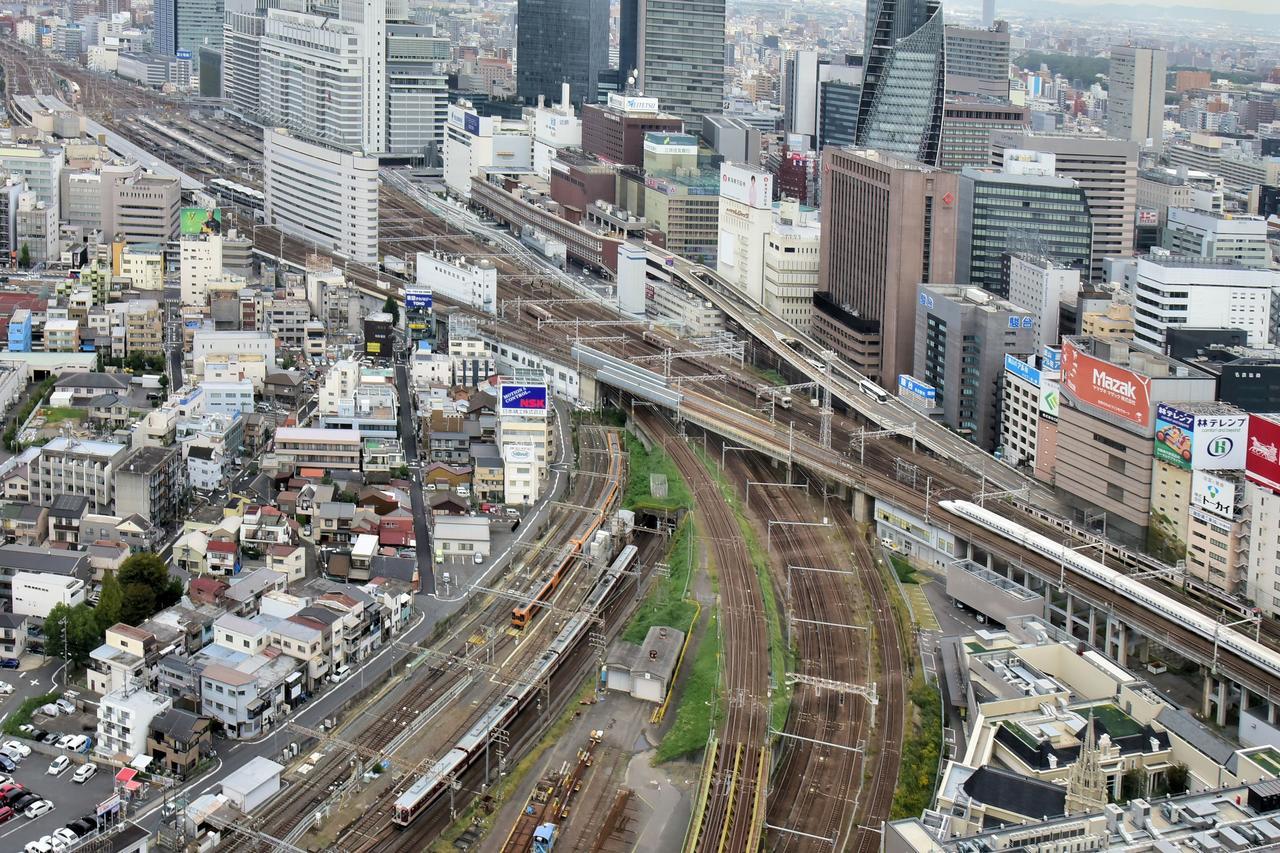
[64, 838]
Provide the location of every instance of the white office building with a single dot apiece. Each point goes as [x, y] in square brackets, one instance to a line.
[554, 127]
[124, 718]
[746, 217]
[324, 79]
[791, 259]
[456, 278]
[1135, 95]
[241, 63]
[474, 143]
[211, 342]
[1169, 290]
[199, 262]
[1218, 236]
[1041, 286]
[326, 196]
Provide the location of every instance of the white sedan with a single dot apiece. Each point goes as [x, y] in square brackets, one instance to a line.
[16, 746]
[43, 807]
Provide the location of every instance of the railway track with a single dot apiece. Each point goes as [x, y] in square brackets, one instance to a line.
[437, 684]
[732, 819]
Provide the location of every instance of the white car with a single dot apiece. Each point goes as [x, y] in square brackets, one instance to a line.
[43, 807]
[50, 710]
[16, 746]
[64, 741]
[65, 706]
[66, 835]
[40, 846]
[58, 766]
[5, 688]
[59, 845]
[84, 773]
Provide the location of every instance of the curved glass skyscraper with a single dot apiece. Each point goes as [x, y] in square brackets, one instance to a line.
[904, 83]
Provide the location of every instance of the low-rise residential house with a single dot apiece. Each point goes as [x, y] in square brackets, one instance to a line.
[111, 668]
[133, 530]
[178, 741]
[207, 590]
[312, 495]
[331, 522]
[451, 448]
[13, 635]
[15, 559]
[395, 529]
[393, 599]
[382, 499]
[438, 475]
[264, 526]
[222, 557]
[107, 555]
[246, 636]
[247, 589]
[447, 503]
[24, 523]
[205, 467]
[382, 456]
[110, 411]
[124, 720]
[247, 698]
[303, 641]
[86, 386]
[66, 512]
[289, 560]
[190, 552]
[487, 473]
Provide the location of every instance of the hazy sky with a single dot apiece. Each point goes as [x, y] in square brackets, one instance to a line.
[1258, 6]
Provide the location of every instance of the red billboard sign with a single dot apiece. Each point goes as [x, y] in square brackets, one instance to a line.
[1262, 461]
[1104, 386]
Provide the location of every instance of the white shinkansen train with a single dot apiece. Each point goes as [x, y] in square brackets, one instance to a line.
[1134, 590]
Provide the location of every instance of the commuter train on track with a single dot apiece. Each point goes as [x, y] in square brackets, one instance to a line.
[1133, 590]
[443, 772]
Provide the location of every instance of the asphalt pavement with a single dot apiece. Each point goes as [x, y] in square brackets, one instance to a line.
[409, 440]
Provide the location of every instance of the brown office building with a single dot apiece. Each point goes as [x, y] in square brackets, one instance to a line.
[577, 180]
[888, 225]
[615, 134]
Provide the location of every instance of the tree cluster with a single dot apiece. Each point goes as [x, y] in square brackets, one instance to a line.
[135, 593]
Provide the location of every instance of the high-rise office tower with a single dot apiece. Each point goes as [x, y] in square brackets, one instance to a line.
[988, 12]
[561, 41]
[681, 56]
[888, 225]
[417, 91]
[187, 25]
[800, 92]
[628, 38]
[321, 79]
[1022, 207]
[241, 59]
[904, 78]
[978, 61]
[1135, 97]
[1107, 171]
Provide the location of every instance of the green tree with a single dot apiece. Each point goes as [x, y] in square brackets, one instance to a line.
[72, 631]
[110, 602]
[164, 380]
[288, 361]
[147, 569]
[139, 603]
[55, 625]
[393, 308]
[24, 256]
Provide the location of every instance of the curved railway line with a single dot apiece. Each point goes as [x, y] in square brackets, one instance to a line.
[732, 819]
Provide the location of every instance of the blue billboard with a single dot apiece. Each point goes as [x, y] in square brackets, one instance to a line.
[471, 124]
[1021, 369]
[531, 399]
[417, 301]
[1051, 360]
[911, 385]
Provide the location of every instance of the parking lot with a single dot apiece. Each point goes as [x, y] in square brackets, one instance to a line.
[70, 800]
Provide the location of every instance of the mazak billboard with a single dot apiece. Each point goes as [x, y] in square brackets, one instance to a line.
[1105, 386]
